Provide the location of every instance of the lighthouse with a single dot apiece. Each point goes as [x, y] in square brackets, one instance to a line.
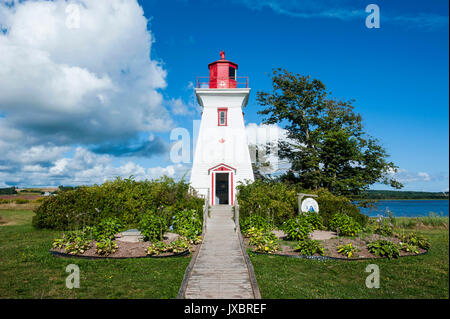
[221, 158]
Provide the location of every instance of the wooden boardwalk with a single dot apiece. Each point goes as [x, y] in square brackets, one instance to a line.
[220, 270]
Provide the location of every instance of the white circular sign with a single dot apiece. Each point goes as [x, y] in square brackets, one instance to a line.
[310, 205]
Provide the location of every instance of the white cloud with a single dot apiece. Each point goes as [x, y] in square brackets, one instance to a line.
[87, 84]
[85, 168]
[91, 84]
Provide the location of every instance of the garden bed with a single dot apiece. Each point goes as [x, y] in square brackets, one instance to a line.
[330, 246]
[126, 249]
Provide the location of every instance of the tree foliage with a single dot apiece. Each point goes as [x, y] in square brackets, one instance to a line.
[326, 146]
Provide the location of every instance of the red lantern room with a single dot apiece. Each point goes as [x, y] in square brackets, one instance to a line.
[222, 73]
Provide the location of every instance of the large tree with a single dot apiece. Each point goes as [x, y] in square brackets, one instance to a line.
[326, 146]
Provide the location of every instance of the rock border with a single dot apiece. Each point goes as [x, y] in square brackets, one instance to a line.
[66, 255]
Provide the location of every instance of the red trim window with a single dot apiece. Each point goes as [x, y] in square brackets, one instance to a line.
[222, 116]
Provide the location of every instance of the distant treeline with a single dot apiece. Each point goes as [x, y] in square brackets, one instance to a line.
[8, 191]
[379, 194]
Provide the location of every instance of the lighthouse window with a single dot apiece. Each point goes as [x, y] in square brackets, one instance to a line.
[232, 73]
[222, 121]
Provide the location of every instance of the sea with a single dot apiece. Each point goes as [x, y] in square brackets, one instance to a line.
[408, 208]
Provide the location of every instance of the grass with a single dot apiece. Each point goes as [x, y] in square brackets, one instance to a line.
[28, 270]
[424, 276]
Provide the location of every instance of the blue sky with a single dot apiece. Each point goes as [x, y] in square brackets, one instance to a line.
[398, 75]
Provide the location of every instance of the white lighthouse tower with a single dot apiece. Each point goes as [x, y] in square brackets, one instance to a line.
[221, 158]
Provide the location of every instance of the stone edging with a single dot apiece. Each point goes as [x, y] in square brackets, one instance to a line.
[323, 258]
[66, 255]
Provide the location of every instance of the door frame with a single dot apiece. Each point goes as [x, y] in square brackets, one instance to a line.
[222, 168]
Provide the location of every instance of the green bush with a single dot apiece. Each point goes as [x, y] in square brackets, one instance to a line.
[384, 248]
[152, 227]
[187, 223]
[275, 202]
[126, 199]
[107, 228]
[255, 221]
[297, 228]
[314, 219]
[344, 225]
[308, 247]
[21, 201]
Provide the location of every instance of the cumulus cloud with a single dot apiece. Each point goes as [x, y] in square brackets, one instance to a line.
[87, 83]
[85, 167]
[78, 73]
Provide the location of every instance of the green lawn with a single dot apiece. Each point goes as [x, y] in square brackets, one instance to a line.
[423, 276]
[28, 270]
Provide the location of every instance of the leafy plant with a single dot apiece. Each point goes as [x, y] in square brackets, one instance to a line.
[309, 247]
[409, 248]
[78, 246]
[415, 239]
[314, 219]
[106, 247]
[268, 244]
[347, 250]
[297, 228]
[254, 221]
[187, 223]
[179, 245]
[152, 227]
[157, 248]
[59, 243]
[107, 228]
[384, 248]
[344, 225]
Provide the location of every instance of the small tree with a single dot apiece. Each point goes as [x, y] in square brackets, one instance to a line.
[326, 144]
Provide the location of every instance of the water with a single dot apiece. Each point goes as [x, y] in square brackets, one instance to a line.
[408, 208]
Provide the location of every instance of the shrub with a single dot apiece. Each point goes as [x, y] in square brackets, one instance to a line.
[254, 221]
[416, 239]
[297, 228]
[107, 228]
[187, 223]
[21, 201]
[122, 198]
[344, 225]
[152, 227]
[314, 219]
[384, 248]
[309, 247]
[273, 201]
[263, 240]
[347, 250]
[330, 204]
[106, 247]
